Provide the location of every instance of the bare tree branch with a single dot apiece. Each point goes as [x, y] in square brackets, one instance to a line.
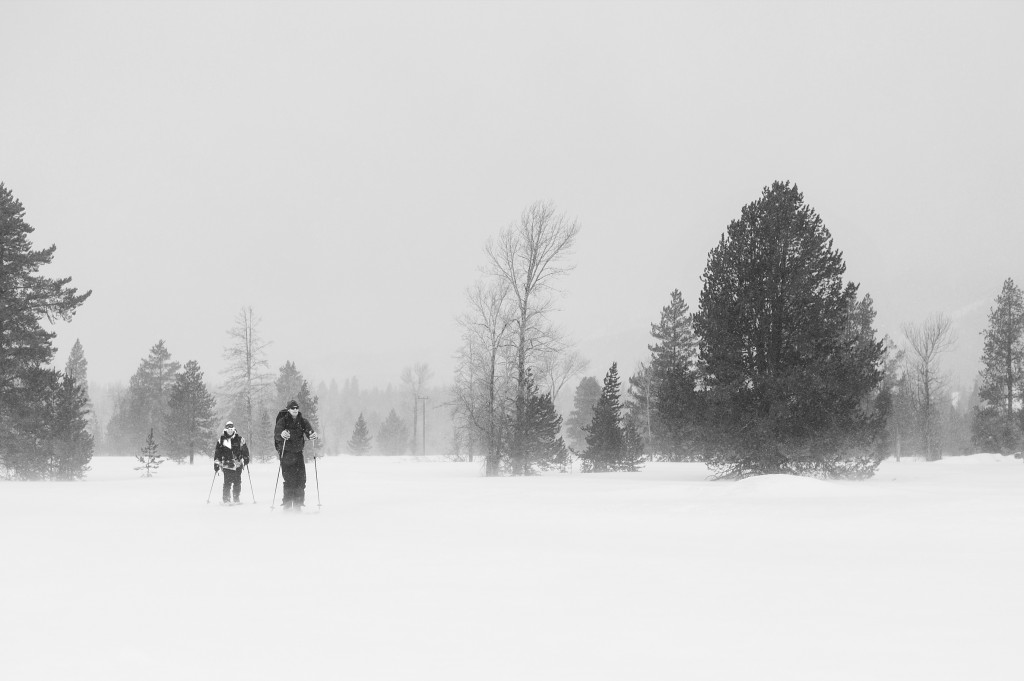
[927, 342]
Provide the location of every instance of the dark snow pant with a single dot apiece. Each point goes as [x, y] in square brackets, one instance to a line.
[294, 474]
[232, 479]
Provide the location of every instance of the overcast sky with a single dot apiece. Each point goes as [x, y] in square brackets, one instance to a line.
[340, 166]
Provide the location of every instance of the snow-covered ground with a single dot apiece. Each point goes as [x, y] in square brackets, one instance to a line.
[420, 569]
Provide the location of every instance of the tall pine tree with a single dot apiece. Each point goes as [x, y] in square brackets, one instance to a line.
[606, 444]
[144, 406]
[191, 417]
[77, 366]
[673, 381]
[997, 422]
[633, 446]
[289, 383]
[787, 371]
[393, 436]
[26, 298]
[70, 442]
[309, 404]
[261, 439]
[541, 440]
[588, 392]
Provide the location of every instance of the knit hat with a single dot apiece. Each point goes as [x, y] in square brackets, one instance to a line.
[292, 404]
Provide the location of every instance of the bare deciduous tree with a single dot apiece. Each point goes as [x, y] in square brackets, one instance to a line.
[415, 380]
[530, 256]
[554, 369]
[638, 403]
[927, 342]
[247, 374]
[481, 384]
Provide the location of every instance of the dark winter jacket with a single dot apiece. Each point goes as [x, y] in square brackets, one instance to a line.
[231, 451]
[299, 429]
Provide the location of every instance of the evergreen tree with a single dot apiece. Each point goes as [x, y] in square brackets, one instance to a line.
[360, 442]
[393, 436]
[673, 380]
[125, 419]
[786, 369]
[606, 446]
[149, 458]
[26, 298]
[144, 406]
[588, 392]
[26, 455]
[70, 441]
[309, 404]
[261, 442]
[191, 422]
[48, 437]
[289, 383]
[77, 366]
[633, 446]
[541, 440]
[997, 424]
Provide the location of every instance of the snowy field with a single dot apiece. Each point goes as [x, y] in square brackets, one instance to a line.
[418, 569]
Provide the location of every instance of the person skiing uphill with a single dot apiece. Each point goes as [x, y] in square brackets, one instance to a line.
[290, 433]
[231, 455]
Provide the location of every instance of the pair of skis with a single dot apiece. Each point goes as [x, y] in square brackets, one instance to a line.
[217, 471]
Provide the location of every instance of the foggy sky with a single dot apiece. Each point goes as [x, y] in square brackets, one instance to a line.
[340, 166]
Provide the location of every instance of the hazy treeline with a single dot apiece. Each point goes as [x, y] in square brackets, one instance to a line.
[778, 370]
[341, 407]
[186, 412]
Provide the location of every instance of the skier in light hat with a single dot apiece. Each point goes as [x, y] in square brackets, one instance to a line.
[231, 455]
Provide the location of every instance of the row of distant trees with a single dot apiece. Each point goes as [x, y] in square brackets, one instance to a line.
[185, 413]
[780, 369]
[176, 404]
[253, 396]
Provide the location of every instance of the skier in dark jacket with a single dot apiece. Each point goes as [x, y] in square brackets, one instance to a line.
[290, 433]
[231, 455]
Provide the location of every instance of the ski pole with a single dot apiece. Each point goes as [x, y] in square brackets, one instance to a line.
[215, 471]
[273, 499]
[251, 491]
[316, 477]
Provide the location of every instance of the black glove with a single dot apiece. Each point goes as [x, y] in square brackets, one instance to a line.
[216, 467]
